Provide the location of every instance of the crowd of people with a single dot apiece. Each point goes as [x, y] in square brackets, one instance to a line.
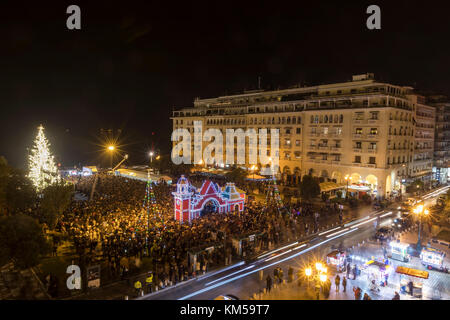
[113, 226]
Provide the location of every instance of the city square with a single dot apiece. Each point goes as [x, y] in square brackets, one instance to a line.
[143, 172]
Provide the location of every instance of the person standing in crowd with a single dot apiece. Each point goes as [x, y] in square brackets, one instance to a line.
[290, 274]
[268, 283]
[138, 287]
[396, 296]
[344, 283]
[357, 292]
[337, 282]
[149, 282]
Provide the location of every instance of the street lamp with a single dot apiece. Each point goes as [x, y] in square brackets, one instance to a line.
[420, 210]
[111, 149]
[253, 168]
[151, 156]
[319, 273]
[347, 178]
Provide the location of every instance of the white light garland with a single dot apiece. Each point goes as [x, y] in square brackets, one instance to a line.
[43, 171]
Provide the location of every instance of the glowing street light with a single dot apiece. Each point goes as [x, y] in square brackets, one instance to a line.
[323, 277]
[347, 178]
[111, 149]
[308, 272]
[319, 266]
[151, 156]
[419, 211]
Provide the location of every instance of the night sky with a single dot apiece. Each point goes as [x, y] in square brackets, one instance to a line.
[132, 62]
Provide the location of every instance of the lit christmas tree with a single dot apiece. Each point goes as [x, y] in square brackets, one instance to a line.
[151, 208]
[43, 171]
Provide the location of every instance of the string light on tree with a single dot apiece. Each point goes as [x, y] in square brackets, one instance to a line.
[43, 171]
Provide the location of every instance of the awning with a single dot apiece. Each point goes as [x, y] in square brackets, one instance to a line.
[412, 272]
[329, 186]
[255, 177]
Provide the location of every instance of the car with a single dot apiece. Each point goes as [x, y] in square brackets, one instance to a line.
[384, 233]
[409, 202]
[400, 223]
[226, 297]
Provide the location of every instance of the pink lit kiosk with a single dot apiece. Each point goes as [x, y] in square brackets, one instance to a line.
[190, 202]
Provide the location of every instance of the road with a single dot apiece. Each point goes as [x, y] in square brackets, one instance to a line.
[242, 279]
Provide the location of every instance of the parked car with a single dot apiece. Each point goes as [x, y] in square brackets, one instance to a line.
[384, 233]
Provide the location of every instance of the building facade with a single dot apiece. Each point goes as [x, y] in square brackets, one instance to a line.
[362, 130]
[441, 162]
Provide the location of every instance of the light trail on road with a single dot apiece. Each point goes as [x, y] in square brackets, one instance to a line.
[264, 267]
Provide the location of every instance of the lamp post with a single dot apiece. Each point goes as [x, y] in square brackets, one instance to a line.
[420, 210]
[347, 178]
[151, 156]
[318, 274]
[111, 149]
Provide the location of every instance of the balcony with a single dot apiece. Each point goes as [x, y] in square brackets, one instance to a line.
[323, 147]
[358, 121]
[335, 161]
[312, 147]
[356, 164]
[373, 121]
[313, 134]
[373, 136]
[359, 150]
[371, 165]
[357, 135]
[335, 148]
[371, 150]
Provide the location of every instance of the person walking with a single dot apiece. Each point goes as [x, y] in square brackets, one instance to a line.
[290, 274]
[357, 292]
[337, 282]
[366, 297]
[344, 283]
[268, 283]
[149, 282]
[138, 287]
[280, 275]
[299, 277]
[348, 270]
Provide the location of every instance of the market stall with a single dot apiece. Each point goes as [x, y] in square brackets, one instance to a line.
[399, 251]
[376, 270]
[411, 280]
[336, 259]
[432, 258]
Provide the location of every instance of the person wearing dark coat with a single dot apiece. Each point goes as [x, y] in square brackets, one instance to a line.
[396, 296]
[268, 283]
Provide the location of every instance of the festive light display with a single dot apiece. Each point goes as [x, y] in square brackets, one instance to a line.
[43, 171]
[273, 197]
[151, 208]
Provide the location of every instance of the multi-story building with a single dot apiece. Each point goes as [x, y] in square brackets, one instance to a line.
[423, 144]
[442, 138]
[362, 129]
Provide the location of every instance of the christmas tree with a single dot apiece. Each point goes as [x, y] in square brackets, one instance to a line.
[43, 171]
[151, 208]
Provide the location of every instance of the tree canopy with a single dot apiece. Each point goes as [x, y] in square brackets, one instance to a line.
[236, 175]
[17, 193]
[21, 240]
[309, 187]
[56, 199]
